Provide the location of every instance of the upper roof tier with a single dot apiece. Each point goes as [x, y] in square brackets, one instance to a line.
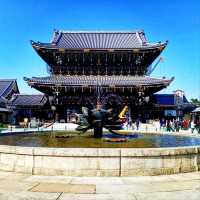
[98, 40]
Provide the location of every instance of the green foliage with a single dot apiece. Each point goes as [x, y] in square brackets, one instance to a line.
[195, 102]
[187, 117]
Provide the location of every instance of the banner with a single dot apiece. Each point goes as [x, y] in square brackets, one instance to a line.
[170, 113]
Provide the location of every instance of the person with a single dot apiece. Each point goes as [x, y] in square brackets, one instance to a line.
[177, 125]
[173, 125]
[162, 123]
[184, 124]
[137, 123]
[26, 122]
[130, 124]
[157, 124]
[187, 124]
[192, 125]
[198, 126]
[168, 126]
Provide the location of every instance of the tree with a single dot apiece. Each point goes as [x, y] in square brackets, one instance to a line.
[195, 102]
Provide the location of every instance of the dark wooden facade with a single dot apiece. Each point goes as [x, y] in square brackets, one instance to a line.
[81, 64]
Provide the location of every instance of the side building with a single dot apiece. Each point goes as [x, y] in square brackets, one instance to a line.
[169, 106]
[30, 106]
[8, 87]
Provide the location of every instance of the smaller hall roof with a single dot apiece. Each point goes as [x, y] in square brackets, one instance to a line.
[196, 110]
[24, 100]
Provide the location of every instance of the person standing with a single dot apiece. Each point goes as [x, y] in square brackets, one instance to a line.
[168, 126]
[177, 125]
[162, 123]
[192, 125]
[137, 123]
[157, 124]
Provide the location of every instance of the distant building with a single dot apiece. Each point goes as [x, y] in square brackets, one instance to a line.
[8, 87]
[171, 105]
[29, 106]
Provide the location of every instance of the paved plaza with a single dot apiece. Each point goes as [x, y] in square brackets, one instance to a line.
[15, 186]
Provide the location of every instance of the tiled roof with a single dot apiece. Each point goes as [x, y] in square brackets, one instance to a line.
[2, 99]
[98, 40]
[28, 100]
[97, 80]
[196, 110]
[6, 85]
[185, 99]
[2, 102]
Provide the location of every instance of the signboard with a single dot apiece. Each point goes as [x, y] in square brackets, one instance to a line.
[170, 113]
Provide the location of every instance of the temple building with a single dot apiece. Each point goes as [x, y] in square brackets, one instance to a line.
[112, 66]
[173, 105]
[8, 87]
[29, 106]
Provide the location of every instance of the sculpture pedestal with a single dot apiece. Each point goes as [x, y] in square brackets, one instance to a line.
[98, 132]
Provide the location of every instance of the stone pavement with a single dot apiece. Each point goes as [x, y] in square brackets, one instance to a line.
[14, 186]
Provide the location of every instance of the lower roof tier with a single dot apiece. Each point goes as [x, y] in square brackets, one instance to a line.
[116, 81]
[73, 84]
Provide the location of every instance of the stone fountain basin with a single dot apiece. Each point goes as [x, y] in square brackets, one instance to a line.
[99, 161]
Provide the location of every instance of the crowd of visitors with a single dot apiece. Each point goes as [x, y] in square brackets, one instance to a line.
[175, 125]
[169, 125]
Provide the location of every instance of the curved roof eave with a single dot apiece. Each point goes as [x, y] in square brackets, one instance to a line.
[50, 46]
[58, 80]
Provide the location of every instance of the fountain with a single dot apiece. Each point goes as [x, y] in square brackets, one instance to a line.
[130, 155]
[99, 117]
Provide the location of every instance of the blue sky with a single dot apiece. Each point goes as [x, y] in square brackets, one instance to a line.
[175, 20]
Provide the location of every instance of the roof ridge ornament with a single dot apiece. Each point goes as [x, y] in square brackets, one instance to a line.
[56, 36]
[139, 38]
